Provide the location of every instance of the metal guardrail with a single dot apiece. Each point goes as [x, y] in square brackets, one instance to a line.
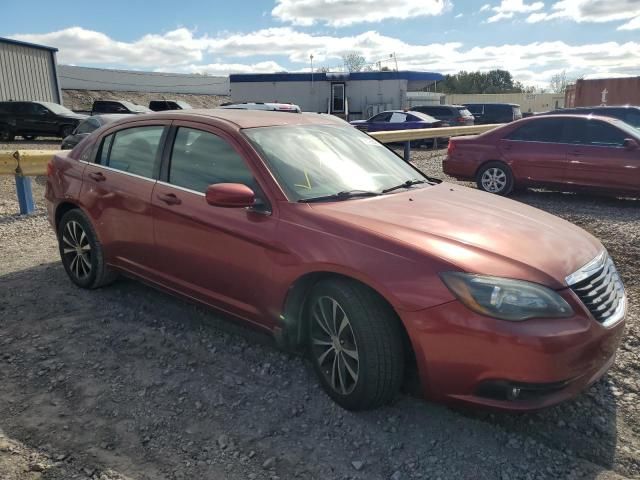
[25, 163]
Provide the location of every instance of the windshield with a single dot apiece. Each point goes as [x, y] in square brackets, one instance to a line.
[55, 108]
[316, 160]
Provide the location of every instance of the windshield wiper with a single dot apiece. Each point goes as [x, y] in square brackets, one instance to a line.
[407, 184]
[344, 195]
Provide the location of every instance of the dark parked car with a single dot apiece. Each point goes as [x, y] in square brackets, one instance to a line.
[162, 105]
[268, 106]
[397, 120]
[627, 114]
[566, 152]
[87, 126]
[306, 228]
[488, 113]
[117, 106]
[454, 115]
[34, 119]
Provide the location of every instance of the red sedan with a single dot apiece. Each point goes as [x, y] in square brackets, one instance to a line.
[309, 229]
[565, 152]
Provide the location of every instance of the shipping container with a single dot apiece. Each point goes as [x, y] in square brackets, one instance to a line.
[604, 91]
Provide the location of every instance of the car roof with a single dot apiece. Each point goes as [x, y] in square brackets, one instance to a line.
[598, 107]
[492, 103]
[109, 117]
[571, 115]
[240, 118]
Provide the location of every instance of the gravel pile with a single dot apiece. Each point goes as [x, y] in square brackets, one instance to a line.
[127, 382]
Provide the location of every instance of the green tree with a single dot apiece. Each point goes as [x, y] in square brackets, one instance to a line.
[494, 81]
[353, 62]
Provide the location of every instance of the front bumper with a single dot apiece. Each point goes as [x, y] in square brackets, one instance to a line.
[459, 353]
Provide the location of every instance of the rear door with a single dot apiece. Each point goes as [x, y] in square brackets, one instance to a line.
[117, 189]
[218, 255]
[597, 157]
[536, 152]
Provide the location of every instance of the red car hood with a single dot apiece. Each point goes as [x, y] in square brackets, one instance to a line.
[474, 231]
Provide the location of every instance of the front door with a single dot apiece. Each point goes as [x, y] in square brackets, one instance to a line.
[597, 157]
[216, 255]
[338, 98]
[117, 189]
[536, 152]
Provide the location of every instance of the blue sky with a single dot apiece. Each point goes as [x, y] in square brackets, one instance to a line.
[533, 39]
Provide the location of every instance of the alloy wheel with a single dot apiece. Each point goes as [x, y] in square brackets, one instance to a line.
[76, 249]
[334, 346]
[494, 180]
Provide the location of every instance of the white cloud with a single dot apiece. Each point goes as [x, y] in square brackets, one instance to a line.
[633, 24]
[485, 7]
[460, 15]
[596, 11]
[341, 13]
[268, 49]
[508, 8]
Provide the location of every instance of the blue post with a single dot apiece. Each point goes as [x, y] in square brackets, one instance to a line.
[407, 151]
[25, 195]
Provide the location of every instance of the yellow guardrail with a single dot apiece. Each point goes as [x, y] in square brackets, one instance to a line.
[424, 133]
[25, 162]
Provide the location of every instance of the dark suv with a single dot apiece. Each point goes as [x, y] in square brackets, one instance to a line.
[117, 106]
[34, 119]
[488, 113]
[629, 115]
[454, 115]
[162, 105]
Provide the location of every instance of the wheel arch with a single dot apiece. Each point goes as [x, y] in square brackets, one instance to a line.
[61, 209]
[491, 160]
[291, 330]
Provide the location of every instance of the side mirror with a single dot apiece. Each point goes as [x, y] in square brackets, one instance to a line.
[229, 195]
[630, 144]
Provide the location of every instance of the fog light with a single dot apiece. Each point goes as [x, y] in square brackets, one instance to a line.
[513, 393]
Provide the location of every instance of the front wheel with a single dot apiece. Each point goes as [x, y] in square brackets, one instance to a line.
[81, 252]
[355, 344]
[495, 177]
[29, 137]
[66, 131]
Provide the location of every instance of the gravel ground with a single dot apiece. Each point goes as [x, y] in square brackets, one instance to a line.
[129, 383]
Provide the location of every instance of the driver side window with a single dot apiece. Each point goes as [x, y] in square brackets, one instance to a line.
[199, 159]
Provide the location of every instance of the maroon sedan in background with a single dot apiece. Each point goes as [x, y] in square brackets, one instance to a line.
[311, 230]
[565, 152]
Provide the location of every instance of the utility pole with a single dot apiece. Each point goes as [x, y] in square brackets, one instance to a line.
[393, 55]
[311, 59]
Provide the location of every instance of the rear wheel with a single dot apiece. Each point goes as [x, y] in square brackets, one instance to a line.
[495, 177]
[355, 343]
[29, 137]
[81, 252]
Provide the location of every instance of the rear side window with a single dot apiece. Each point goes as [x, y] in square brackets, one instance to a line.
[199, 159]
[632, 117]
[134, 150]
[381, 117]
[547, 130]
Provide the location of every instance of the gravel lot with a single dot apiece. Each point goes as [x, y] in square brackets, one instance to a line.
[130, 383]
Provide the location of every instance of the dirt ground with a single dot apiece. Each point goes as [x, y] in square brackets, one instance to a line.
[127, 382]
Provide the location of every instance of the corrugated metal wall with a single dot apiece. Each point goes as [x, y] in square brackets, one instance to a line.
[85, 78]
[27, 73]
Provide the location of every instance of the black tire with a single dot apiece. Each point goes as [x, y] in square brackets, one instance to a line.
[6, 135]
[75, 234]
[373, 332]
[66, 130]
[29, 137]
[495, 177]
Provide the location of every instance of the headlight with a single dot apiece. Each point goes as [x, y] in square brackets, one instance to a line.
[504, 298]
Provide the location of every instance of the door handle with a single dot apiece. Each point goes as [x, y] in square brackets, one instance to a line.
[576, 153]
[97, 176]
[169, 198]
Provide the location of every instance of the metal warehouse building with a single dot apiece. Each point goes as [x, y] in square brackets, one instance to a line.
[350, 95]
[28, 72]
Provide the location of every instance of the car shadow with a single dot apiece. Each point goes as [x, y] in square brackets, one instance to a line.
[132, 378]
